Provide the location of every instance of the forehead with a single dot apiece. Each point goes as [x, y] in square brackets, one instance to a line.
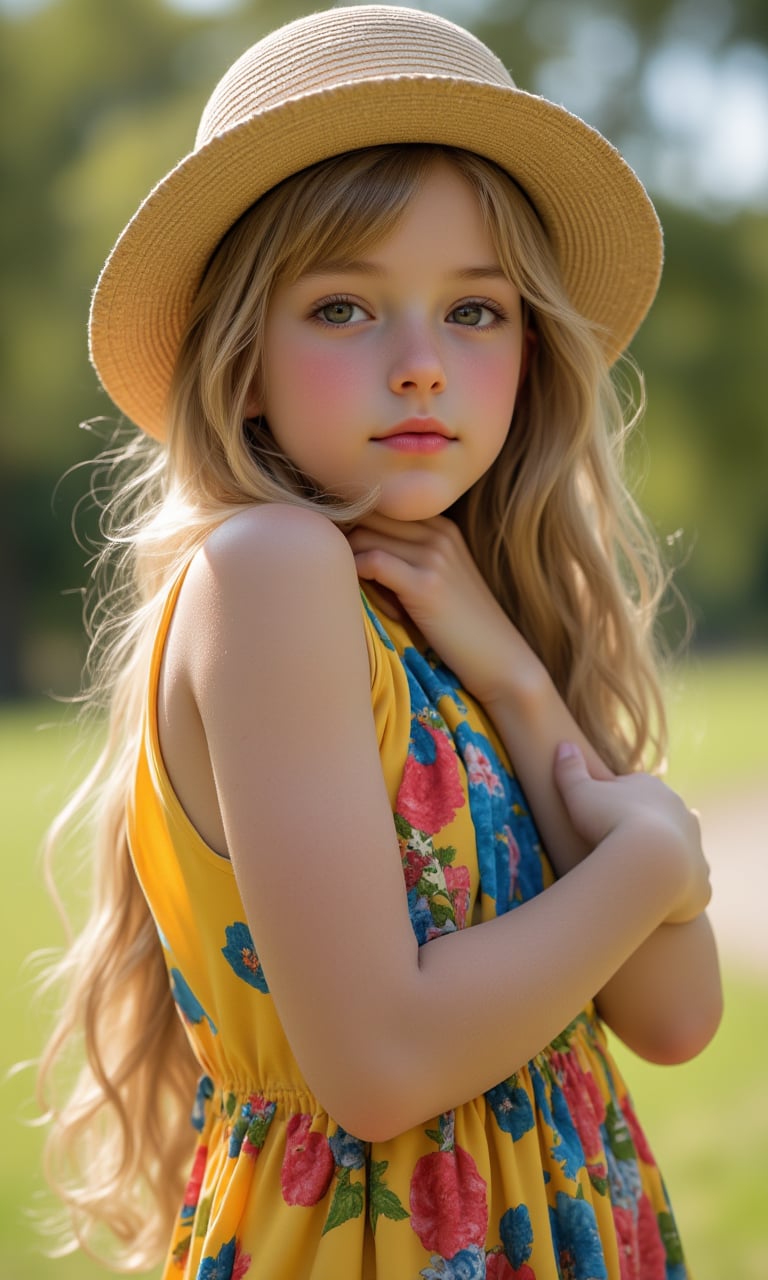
[438, 220]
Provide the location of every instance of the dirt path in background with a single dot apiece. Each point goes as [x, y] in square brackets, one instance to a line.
[735, 828]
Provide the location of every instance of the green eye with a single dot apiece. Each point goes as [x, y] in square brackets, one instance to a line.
[337, 312]
[470, 313]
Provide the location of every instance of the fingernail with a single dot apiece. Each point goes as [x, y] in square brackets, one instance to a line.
[567, 750]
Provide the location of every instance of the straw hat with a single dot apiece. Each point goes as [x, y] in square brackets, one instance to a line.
[338, 81]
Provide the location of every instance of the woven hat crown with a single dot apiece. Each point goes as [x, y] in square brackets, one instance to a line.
[339, 81]
[343, 46]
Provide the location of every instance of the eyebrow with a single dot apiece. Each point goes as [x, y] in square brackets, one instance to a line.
[360, 266]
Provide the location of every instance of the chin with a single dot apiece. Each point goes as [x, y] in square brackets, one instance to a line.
[416, 503]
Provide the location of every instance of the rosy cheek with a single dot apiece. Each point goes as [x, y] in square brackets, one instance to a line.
[495, 384]
[327, 375]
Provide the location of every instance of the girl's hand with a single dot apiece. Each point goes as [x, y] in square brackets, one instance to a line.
[653, 810]
[430, 571]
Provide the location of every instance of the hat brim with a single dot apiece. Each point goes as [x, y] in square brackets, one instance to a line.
[601, 223]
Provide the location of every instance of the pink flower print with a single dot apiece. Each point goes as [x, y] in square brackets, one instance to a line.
[514, 860]
[413, 865]
[626, 1240]
[638, 1137]
[449, 1206]
[241, 1264]
[585, 1105]
[642, 1255]
[457, 884]
[653, 1255]
[498, 1267]
[480, 771]
[307, 1163]
[430, 792]
[195, 1182]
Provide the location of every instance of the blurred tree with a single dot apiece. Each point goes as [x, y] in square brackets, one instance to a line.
[100, 100]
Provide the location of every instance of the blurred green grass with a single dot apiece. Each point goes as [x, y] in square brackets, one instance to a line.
[707, 1120]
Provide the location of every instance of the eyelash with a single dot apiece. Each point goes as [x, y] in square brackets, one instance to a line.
[339, 299]
[335, 299]
[484, 304]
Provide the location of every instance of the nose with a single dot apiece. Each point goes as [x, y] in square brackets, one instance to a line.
[417, 365]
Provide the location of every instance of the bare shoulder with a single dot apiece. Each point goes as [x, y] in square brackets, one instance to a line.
[274, 559]
[263, 583]
[268, 616]
[275, 539]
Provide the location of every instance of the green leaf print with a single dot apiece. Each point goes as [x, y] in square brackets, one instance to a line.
[619, 1137]
[181, 1250]
[258, 1130]
[348, 1201]
[383, 1202]
[403, 827]
[670, 1239]
[203, 1216]
[441, 912]
[445, 855]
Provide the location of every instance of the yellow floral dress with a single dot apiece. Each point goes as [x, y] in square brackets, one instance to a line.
[547, 1176]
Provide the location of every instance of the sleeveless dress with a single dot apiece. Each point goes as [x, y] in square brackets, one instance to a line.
[548, 1176]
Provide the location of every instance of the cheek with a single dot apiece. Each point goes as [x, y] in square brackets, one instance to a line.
[324, 380]
[495, 385]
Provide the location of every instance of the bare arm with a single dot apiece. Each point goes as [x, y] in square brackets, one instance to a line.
[276, 661]
[665, 1000]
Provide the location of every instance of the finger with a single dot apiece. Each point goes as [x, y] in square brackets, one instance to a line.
[570, 766]
[379, 565]
[363, 540]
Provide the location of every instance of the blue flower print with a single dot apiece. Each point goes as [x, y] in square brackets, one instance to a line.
[569, 1152]
[624, 1181]
[187, 1000]
[220, 1267]
[504, 830]
[347, 1151]
[240, 953]
[423, 746]
[576, 1239]
[229, 1264]
[203, 1094]
[421, 916]
[566, 1148]
[250, 1129]
[676, 1271]
[429, 681]
[467, 1264]
[512, 1108]
[376, 624]
[517, 1235]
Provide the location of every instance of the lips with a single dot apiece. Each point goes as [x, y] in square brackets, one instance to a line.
[416, 427]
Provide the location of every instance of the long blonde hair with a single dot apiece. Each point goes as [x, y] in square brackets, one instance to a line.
[551, 526]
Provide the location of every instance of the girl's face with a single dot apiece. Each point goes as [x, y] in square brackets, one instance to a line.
[399, 369]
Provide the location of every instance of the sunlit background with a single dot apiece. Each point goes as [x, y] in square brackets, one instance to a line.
[99, 99]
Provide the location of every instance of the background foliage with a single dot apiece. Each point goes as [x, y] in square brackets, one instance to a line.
[99, 100]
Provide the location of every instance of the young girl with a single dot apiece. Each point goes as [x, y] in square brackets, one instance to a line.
[377, 550]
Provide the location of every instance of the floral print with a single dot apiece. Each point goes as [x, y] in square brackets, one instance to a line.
[229, 1264]
[547, 1176]
[187, 1001]
[307, 1164]
[241, 955]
